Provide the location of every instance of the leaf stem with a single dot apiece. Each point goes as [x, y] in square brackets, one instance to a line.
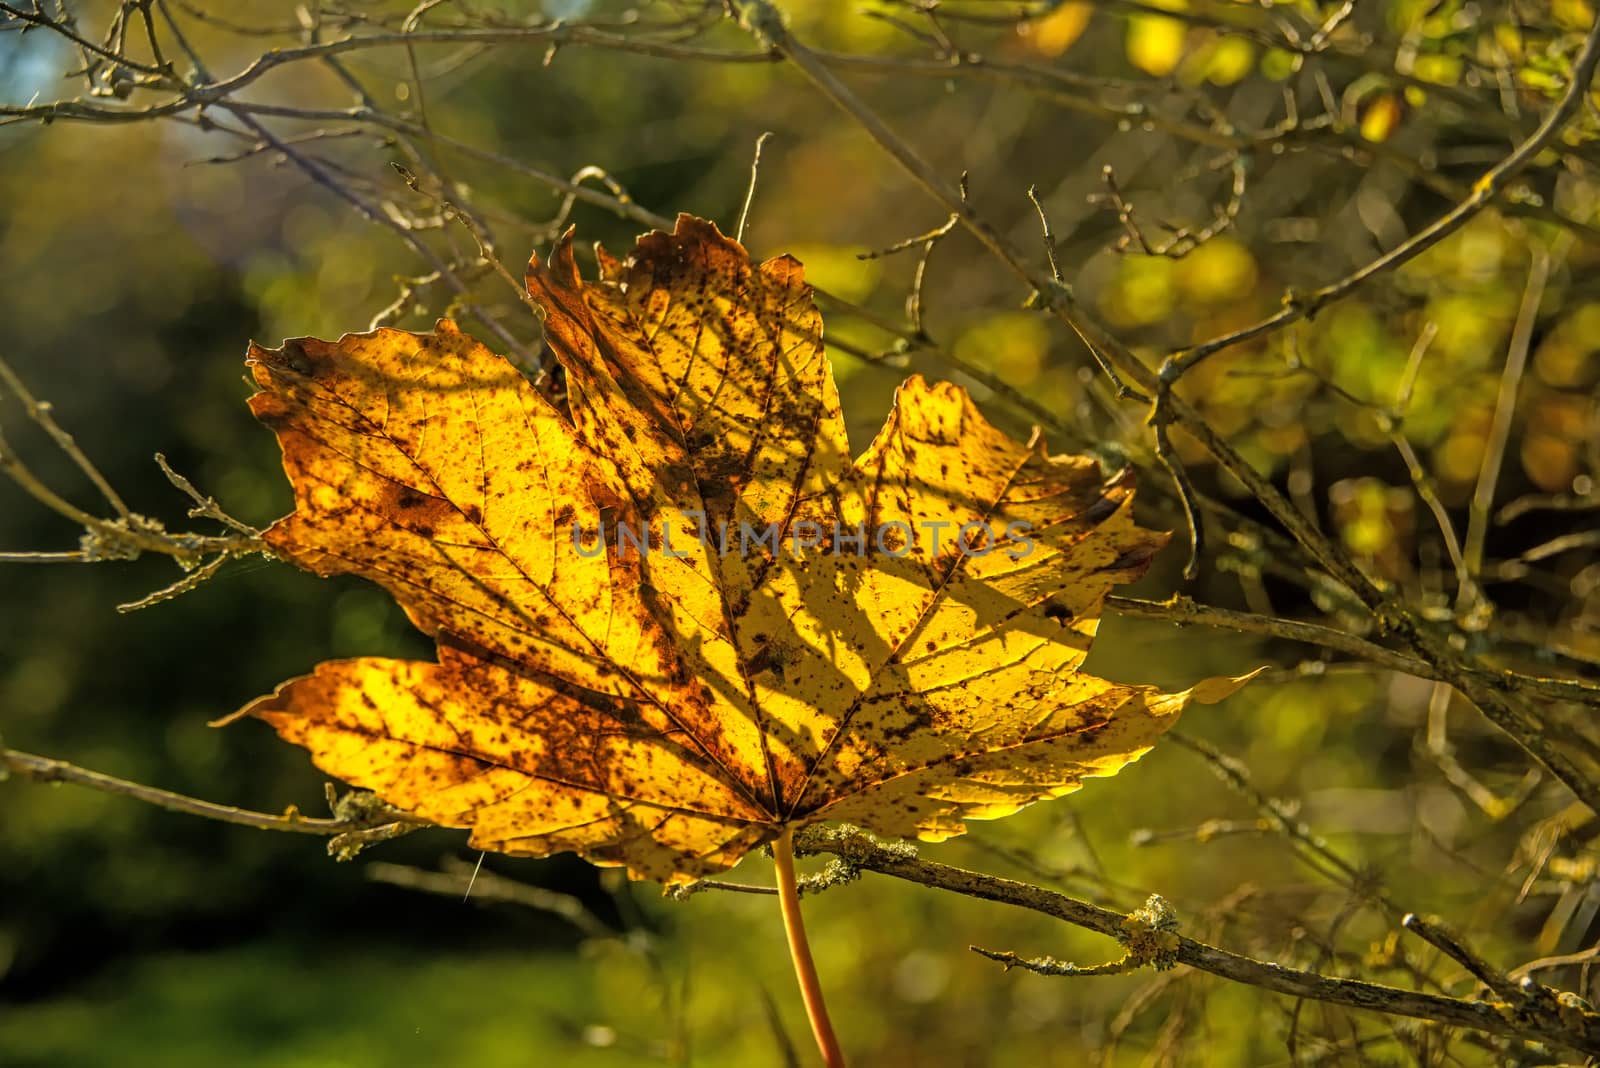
[805, 970]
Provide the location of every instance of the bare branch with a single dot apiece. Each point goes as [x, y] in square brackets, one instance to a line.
[1183, 610]
[1532, 1016]
[45, 769]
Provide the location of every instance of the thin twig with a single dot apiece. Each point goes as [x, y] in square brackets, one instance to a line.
[750, 193]
[1505, 407]
[1183, 610]
[44, 769]
[490, 887]
[42, 413]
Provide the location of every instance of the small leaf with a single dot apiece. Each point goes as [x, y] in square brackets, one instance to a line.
[1055, 33]
[1380, 116]
[1155, 42]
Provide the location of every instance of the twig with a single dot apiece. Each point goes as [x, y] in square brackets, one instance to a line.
[1554, 502]
[42, 413]
[1564, 960]
[1150, 933]
[1183, 610]
[1049, 238]
[204, 507]
[684, 891]
[490, 887]
[1433, 931]
[750, 193]
[1311, 848]
[45, 769]
[1505, 407]
[923, 240]
[1168, 456]
[183, 585]
[123, 538]
[1184, 239]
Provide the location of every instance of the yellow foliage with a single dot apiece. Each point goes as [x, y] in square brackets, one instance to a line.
[1550, 462]
[1573, 14]
[1381, 116]
[1218, 271]
[1509, 39]
[670, 705]
[1231, 59]
[1437, 68]
[1057, 31]
[1155, 43]
[1567, 356]
[1012, 344]
[1559, 427]
[1460, 456]
[1143, 291]
[1277, 64]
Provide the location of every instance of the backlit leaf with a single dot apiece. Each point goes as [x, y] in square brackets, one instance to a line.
[672, 701]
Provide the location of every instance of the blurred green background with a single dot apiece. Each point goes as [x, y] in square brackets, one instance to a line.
[133, 271]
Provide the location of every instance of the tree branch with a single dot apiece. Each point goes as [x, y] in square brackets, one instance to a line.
[1182, 610]
[45, 769]
[1535, 1017]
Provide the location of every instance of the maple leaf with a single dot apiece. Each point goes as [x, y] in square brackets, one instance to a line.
[672, 701]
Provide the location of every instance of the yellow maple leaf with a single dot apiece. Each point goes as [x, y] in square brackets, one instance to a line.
[674, 619]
